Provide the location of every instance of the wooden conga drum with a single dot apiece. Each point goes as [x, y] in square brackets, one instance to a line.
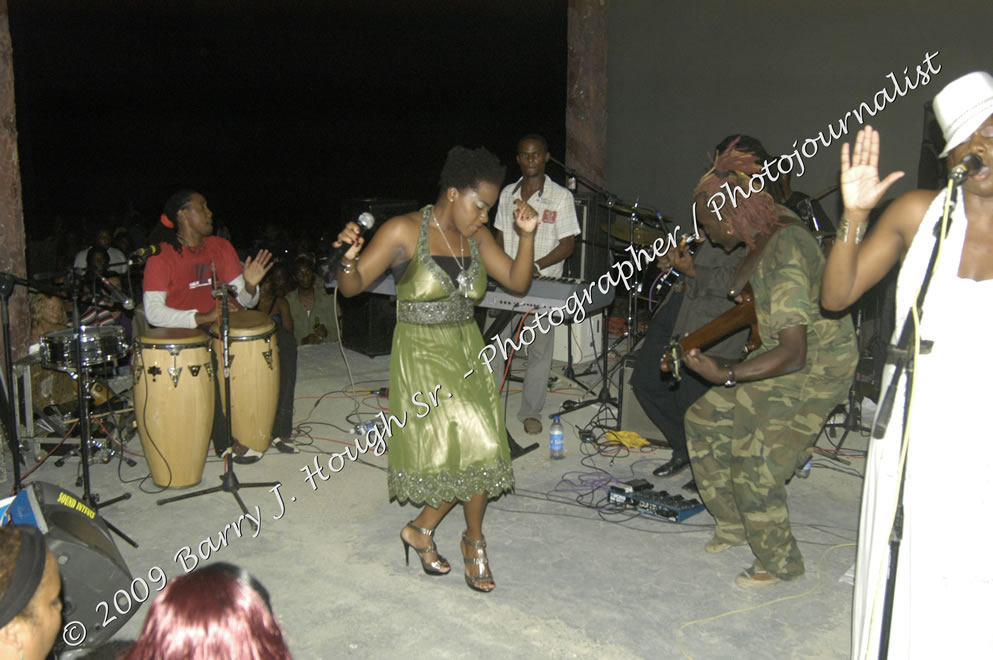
[174, 403]
[254, 376]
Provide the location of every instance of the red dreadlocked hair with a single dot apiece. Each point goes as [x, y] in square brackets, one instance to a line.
[746, 212]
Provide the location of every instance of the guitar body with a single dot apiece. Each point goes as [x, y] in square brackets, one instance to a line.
[740, 316]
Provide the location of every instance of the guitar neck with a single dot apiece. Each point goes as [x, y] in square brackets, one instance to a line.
[740, 316]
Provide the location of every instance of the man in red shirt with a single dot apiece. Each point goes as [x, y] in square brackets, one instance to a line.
[179, 284]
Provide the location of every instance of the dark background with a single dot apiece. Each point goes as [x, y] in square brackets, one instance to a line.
[684, 75]
[276, 111]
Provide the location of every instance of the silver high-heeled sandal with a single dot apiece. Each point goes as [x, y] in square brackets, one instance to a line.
[436, 567]
[480, 560]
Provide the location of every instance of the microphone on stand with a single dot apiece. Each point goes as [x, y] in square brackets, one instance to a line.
[146, 251]
[970, 164]
[365, 221]
[116, 294]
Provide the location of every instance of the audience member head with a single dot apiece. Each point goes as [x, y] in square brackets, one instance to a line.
[304, 269]
[97, 260]
[122, 240]
[30, 606]
[47, 312]
[218, 612]
[103, 238]
[740, 215]
[279, 279]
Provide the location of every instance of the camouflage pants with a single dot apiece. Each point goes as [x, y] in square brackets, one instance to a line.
[744, 443]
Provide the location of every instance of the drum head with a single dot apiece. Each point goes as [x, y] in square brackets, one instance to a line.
[247, 323]
[171, 337]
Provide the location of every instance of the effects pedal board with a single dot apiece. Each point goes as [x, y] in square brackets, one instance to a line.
[656, 504]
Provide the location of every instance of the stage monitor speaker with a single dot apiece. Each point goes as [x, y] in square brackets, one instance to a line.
[93, 571]
[631, 416]
[367, 323]
[589, 257]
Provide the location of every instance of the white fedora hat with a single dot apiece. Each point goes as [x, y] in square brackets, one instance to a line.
[962, 107]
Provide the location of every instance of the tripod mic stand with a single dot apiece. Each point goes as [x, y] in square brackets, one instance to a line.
[229, 481]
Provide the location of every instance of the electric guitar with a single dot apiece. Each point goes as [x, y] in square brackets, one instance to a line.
[740, 316]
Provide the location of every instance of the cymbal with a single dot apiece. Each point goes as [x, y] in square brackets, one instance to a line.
[642, 211]
[637, 232]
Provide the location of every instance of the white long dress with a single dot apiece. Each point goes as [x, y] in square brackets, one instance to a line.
[944, 586]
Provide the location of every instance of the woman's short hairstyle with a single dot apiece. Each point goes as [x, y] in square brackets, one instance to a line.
[217, 612]
[466, 168]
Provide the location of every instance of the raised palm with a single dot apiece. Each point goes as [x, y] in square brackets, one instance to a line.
[861, 188]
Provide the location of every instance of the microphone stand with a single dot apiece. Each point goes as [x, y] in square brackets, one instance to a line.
[7, 282]
[902, 358]
[82, 373]
[229, 481]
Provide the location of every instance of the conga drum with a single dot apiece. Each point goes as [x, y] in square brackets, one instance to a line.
[254, 376]
[174, 403]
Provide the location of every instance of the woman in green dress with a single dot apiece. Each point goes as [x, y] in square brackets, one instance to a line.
[447, 440]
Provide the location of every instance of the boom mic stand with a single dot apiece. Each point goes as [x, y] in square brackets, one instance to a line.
[229, 481]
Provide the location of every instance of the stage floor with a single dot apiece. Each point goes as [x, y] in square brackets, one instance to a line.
[572, 581]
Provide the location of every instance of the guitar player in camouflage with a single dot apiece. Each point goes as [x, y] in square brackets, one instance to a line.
[748, 434]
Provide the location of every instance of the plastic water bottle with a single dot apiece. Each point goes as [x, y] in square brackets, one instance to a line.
[556, 439]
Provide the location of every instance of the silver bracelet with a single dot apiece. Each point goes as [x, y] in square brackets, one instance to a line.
[347, 268]
[844, 230]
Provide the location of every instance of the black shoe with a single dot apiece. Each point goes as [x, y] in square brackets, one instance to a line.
[242, 455]
[691, 486]
[285, 446]
[672, 467]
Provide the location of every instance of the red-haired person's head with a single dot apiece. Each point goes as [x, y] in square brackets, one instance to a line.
[219, 612]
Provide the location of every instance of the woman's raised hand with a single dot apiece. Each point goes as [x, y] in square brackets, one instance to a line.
[525, 217]
[861, 188]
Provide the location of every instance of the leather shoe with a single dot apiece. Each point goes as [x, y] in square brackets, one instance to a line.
[671, 467]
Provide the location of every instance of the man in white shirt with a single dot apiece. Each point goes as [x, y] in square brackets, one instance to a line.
[553, 243]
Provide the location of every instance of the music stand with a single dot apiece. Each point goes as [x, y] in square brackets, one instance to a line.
[229, 481]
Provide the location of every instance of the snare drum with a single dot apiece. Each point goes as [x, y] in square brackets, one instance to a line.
[254, 376]
[174, 403]
[100, 345]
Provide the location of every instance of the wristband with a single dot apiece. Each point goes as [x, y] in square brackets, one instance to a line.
[730, 382]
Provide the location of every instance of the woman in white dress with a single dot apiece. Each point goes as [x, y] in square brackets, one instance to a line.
[944, 576]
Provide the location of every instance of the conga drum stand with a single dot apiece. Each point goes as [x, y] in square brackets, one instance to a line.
[229, 481]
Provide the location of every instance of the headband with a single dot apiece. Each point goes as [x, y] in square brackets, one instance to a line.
[28, 571]
[164, 219]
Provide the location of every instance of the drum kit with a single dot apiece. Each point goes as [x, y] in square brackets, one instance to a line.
[637, 226]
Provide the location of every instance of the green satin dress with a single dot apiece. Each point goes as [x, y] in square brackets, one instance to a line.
[453, 442]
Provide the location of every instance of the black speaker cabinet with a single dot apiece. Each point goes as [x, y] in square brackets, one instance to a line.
[632, 417]
[96, 583]
[367, 322]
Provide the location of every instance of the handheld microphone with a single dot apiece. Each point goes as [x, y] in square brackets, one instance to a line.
[116, 294]
[970, 164]
[365, 221]
[146, 251]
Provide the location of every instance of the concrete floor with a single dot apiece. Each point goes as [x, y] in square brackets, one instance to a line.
[572, 581]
